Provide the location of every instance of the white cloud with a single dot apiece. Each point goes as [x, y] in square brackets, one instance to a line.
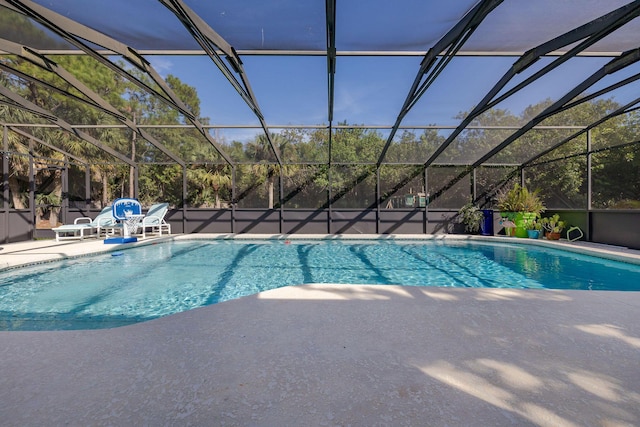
[161, 64]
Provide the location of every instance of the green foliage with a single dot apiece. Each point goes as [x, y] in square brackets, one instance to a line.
[533, 224]
[553, 224]
[306, 178]
[626, 204]
[160, 183]
[16, 26]
[519, 199]
[616, 172]
[471, 216]
[45, 202]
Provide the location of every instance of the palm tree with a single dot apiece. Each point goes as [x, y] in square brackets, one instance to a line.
[217, 181]
[208, 181]
[265, 167]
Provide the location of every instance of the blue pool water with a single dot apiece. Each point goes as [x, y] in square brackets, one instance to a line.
[157, 280]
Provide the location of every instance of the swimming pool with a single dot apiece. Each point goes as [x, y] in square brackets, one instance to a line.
[147, 282]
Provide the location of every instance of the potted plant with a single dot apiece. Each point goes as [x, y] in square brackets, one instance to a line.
[519, 205]
[553, 226]
[534, 227]
[471, 217]
[507, 202]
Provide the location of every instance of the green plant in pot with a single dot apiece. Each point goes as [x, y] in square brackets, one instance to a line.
[471, 217]
[553, 226]
[534, 228]
[520, 206]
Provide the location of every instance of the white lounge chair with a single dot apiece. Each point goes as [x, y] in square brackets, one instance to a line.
[85, 227]
[154, 220]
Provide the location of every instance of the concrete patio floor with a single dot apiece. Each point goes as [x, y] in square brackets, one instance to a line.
[340, 355]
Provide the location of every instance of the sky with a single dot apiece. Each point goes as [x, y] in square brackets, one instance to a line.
[292, 90]
[368, 90]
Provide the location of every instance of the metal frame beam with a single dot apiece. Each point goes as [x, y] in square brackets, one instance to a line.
[211, 41]
[97, 101]
[331, 70]
[622, 110]
[586, 35]
[331, 56]
[42, 114]
[323, 52]
[617, 64]
[435, 61]
[213, 45]
[20, 102]
[11, 70]
[46, 144]
[77, 34]
[5, 182]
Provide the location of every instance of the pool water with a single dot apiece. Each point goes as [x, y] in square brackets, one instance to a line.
[151, 281]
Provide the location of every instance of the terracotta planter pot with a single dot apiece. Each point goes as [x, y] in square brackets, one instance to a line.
[553, 236]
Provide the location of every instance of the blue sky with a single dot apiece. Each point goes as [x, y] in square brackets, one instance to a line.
[292, 90]
[369, 90]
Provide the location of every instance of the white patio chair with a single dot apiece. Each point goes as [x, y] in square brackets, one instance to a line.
[85, 227]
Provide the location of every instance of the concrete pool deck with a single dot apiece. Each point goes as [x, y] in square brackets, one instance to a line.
[339, 355]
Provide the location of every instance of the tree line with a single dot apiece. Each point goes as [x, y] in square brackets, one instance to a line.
[317, 169]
